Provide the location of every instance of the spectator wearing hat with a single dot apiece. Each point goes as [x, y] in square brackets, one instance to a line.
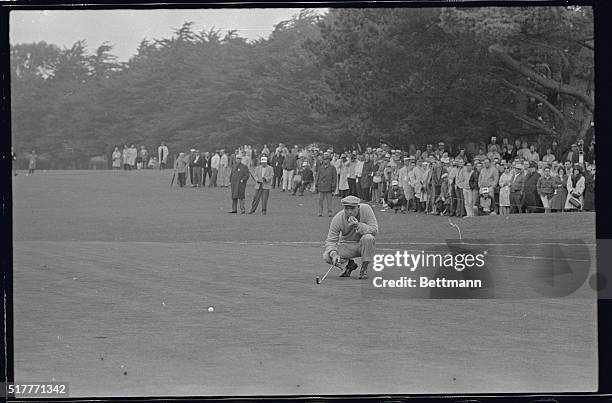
[474, 187]
[459, 202]
[404, 183]
[206, 169]
[489, 178]
[343, 184]
[180, 166]
[214, 169]
[277, 167]
[352, 234]
[366, 178]
[263, 183]
[376, 179]
[395, 197]
[223, 169]
[116, 158]
[463, 187]
[443, 199]
[416, 179]
[546, 188]
[436, 184]
[306, 178]
[589, 189]
[505, 181]
[531, 199]
[575, 190]
[589, 155]
[573, 154]
[424, 182]
[200, 163]
[238, 180]
[326, 183]
[289, 166]
[485, 203]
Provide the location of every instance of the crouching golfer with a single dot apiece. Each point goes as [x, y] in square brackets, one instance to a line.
[351, 234]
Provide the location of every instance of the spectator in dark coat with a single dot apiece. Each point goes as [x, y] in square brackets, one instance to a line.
[277, 166]
[589, 190]
[326, 184]
[531, 199]
[238, 180]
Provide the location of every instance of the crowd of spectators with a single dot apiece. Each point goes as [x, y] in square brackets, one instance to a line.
[500, 178]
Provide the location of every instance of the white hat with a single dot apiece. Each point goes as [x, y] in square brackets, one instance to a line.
[393, 183]
[351, 201]
[264, 159]
[305, 163]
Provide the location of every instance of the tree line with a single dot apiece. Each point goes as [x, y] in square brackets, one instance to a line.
[350, 77]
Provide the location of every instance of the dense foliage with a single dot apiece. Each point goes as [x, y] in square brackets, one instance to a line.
[351, 76]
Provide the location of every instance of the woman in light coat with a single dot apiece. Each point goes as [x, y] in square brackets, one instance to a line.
[575, 188]
[505, 180]
[116, 157]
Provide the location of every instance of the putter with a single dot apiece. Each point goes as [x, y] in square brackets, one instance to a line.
[319, 281]
[173, 176]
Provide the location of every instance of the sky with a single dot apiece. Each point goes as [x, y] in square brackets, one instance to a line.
[126, 28]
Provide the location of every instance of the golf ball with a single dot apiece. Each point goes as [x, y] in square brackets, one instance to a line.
[211, 309]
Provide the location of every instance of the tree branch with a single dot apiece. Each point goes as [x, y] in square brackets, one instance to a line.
[543, 81]
[532, 122]
[537, 96]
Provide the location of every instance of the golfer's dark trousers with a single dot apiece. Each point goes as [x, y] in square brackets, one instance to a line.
[181, 179]
[262, 194]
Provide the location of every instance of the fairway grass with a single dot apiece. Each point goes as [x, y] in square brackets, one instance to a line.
[114, 272]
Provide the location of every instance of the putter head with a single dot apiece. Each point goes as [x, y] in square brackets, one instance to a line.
[317, 280]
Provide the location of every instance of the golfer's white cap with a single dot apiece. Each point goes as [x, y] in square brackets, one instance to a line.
[350, 201]
[393, 183]
[192, 150]
[305, 164]
[264, 159]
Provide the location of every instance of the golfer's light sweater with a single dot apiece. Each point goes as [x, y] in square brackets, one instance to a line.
[340, 227]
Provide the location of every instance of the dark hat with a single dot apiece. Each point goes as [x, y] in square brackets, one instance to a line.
[533, 164]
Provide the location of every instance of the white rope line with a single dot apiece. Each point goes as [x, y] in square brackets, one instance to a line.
[280, 243]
